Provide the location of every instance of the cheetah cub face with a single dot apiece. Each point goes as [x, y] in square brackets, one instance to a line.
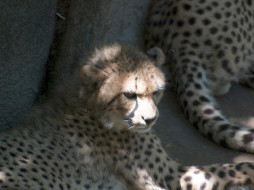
[123, 87]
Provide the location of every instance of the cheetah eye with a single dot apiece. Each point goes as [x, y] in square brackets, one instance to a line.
[130, 95]
[155, 93]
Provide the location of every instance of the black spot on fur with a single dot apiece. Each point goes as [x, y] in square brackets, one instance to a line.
[175, 10]
[203, 186]
[207, 176]
[181, 169]
[238, 167]
[228, 40]
[221, 174]
[225, 28]
[204, 99]
[200, 11]
[166, 32]
[247, 181]
[236, 128]
[192, 20]
[189, 186]
[196, 103]
[213, 30]
[187, 179]
[223, 143]
[251, 166]
[155, 176]
[212, 169]
[197, 86]
[206, 21]
[248, 138]
[217, 15]
[199, 32]
[208, 42]
[218, 118]
[215, 186]
[208, 111]
[187, 7]
[224, 127]
[189, 93]
[231, 173]
[168, 178]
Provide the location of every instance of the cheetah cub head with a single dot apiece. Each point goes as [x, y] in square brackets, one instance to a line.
[122, 87]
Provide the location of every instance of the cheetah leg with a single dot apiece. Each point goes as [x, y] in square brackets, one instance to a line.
[135, 177]
[195, 92]
[137, 181]
[225, 176]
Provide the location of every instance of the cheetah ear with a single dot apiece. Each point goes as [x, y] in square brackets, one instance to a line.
[157, 55]
[92, 74]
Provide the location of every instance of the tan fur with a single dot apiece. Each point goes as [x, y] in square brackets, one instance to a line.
[80, 140]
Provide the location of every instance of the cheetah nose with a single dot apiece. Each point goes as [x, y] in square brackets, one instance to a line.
[149, 120]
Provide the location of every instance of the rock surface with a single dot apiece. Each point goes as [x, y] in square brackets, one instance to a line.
[26, 34]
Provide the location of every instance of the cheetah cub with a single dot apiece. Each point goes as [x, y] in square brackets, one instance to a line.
[209, 44]
[95, 134]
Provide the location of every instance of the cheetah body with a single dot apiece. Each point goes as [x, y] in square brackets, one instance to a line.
[97, 138]
[51, 160]
[209, 45]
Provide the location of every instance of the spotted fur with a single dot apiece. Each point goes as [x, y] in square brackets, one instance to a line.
[68, 143]
[209, 44]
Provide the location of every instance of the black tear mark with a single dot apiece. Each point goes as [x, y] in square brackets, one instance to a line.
[131, 115]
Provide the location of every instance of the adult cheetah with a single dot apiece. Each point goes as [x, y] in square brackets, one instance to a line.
[95, 134]
[209, 44]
